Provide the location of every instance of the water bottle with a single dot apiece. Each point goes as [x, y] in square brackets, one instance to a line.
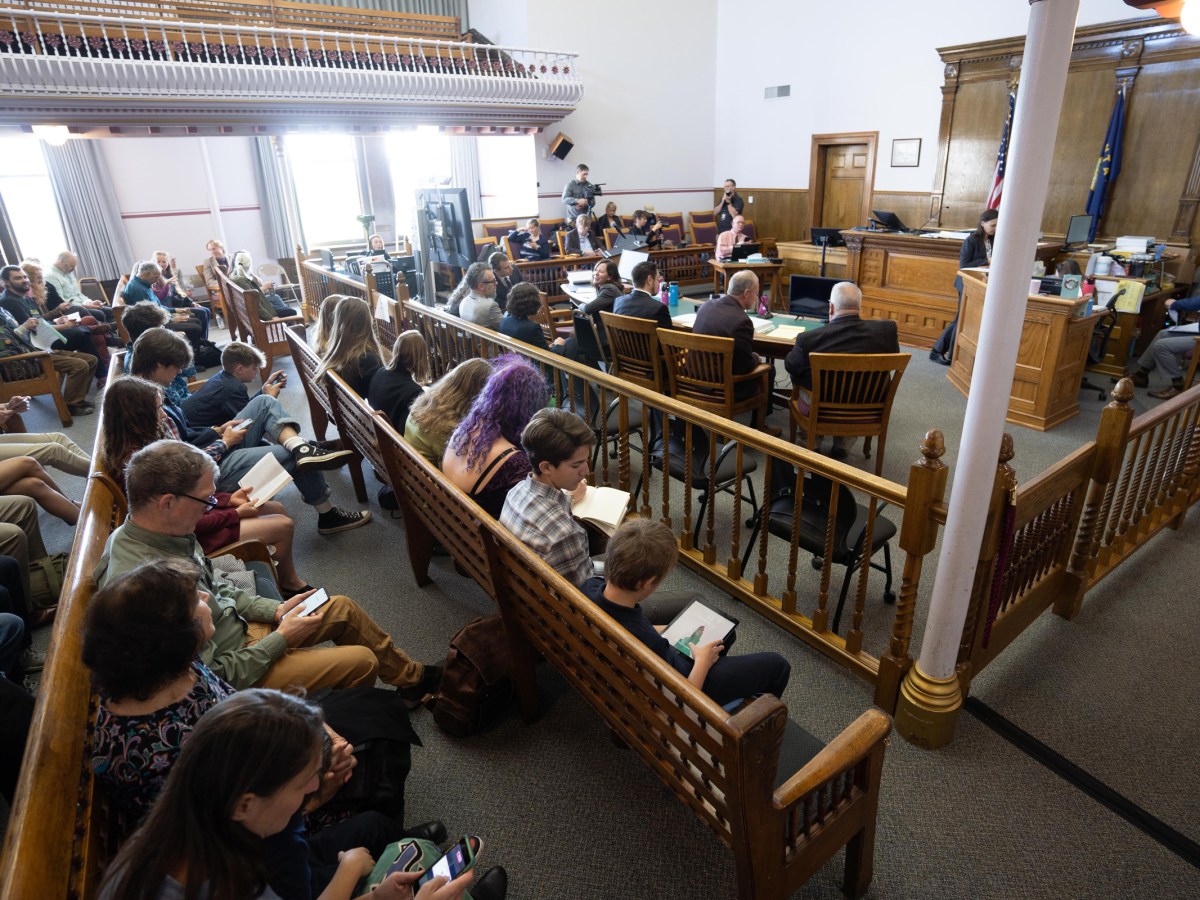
[664, 295]
[764, 306]
[674, 295]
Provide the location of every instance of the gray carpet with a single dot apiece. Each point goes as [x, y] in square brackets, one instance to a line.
[570, 815]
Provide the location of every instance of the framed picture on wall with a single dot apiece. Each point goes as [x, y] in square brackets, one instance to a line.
[906, 152]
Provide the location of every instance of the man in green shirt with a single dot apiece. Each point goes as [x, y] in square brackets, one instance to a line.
[258, 642]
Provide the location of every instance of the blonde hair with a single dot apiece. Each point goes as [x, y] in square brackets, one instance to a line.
[410, 354]
[324, 327]
[350, 338]
[438, 411]
[37, 280]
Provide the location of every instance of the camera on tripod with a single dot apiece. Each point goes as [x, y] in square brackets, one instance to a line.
[592, 191]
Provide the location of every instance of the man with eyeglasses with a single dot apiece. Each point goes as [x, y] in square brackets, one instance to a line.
[479, 305]
[258, 641]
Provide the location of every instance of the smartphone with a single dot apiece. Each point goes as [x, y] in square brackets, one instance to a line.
[406, 858]
[457, 860]
[276, 378]
[244, 424]
[314, 602]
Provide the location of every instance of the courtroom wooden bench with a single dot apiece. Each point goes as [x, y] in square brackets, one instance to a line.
[270, 337]
[783, 823]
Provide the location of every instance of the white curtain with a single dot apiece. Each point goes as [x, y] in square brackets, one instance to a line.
[88, 208]
[269, 178]
[464, 170]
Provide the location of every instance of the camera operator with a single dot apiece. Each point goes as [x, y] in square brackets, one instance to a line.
[579, 196]
[731, 205]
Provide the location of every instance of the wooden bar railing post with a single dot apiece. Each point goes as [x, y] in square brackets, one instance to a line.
[1110, 454]
[918, 534]
[985, 572]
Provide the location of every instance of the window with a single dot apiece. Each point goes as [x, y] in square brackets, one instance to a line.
[417, 159]
[29, 199]
[325, 174]
[508, 177]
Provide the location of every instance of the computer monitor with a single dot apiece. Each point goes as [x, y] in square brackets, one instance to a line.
[828, 237]
[1079, 229]
[1051, 284]
[889, 220]
[743, 251]
[629, 259]
[809, 295]
[451, 235]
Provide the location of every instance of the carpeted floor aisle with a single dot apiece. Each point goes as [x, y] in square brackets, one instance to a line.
[570, 815]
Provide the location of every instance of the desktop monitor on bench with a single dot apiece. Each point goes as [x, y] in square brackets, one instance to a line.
[1079, 228]
[809, 295]
[828, 237]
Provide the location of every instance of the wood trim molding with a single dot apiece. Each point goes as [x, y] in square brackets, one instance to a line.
[816, 170]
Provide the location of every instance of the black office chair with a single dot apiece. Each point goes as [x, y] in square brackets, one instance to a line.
[725, 477]
[1099, 345]
[849, 532]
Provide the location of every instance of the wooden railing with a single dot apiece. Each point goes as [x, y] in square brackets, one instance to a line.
[318, 282]
[779, 583]
[274, 13]
[1050, 542]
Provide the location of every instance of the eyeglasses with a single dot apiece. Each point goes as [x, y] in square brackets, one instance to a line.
[211, 503]
[487, 281]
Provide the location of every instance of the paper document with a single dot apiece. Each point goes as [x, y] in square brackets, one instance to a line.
[603, 507]
[46, 336]
[687, 320]
[1131, 299]
[762, 326]
[381, 308]
[265, 480]
[789, 331]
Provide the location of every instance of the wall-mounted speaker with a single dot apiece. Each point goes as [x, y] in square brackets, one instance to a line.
[561, 146]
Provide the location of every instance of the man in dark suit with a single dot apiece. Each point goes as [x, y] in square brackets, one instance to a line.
[643, 303]
[725, 316]
[508, 276]
[846, 332]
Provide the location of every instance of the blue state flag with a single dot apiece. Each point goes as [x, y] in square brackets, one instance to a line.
[1108, 166]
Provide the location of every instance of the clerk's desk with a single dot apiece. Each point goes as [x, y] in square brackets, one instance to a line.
[909, 278]
[1050, 361]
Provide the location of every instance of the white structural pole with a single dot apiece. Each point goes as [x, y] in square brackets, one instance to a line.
[930, 698]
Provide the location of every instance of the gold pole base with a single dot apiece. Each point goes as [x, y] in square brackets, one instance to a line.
[927, 709]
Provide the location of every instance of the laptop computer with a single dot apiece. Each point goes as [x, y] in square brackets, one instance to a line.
[743, 251]
[629, 259]
[628, 242]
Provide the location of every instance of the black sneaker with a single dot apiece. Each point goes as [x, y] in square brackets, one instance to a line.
[492, 885]
[80, 409]
[311, 457]
[338, 519]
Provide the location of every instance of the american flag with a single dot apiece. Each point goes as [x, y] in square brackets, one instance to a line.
[993, 200]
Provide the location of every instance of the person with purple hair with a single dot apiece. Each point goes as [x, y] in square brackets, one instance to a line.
[483, 457]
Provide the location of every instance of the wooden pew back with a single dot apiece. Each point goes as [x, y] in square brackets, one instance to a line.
[269, 337]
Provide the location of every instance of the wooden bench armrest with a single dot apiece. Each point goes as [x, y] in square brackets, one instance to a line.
[287, 321]
[857, 741]
[23, 357]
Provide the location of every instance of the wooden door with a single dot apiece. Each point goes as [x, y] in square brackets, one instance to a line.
[845, 185]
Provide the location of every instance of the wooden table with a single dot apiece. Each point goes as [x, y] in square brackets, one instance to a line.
[1053, 351]
[766, 271]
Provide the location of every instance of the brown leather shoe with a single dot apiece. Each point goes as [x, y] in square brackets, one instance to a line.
[1166, 393]
[1139, 378]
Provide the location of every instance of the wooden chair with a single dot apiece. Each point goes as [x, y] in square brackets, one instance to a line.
[33, 375]
[672, 218]
[700, 372]
[704, 232]
[750, 231]
[216, 299]
[635, 350]
[672, 234]
[556, 321]
[852, 396]
[270, 337]
[496, 230]
[93, 289]
[561, 238]
[701, 218]
[552, 225]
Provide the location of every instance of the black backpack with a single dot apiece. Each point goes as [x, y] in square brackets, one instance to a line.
[475, 688]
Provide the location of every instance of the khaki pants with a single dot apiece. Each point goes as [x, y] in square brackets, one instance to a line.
[55, 450]
[364, 650]
[20, 536]
[77, 369]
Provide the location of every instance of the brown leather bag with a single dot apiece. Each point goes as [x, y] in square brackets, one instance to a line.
[475, 688]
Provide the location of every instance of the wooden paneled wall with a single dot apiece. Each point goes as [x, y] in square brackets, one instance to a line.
[1158, 189]
[783, 213]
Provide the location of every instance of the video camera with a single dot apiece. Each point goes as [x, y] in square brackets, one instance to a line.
[593, 191]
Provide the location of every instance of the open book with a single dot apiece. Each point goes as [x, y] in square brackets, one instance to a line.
[46, 336]
[698, 624]
[603, 507]
[265, 480]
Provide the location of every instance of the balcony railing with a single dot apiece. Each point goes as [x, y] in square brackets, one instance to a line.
[69, 67]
